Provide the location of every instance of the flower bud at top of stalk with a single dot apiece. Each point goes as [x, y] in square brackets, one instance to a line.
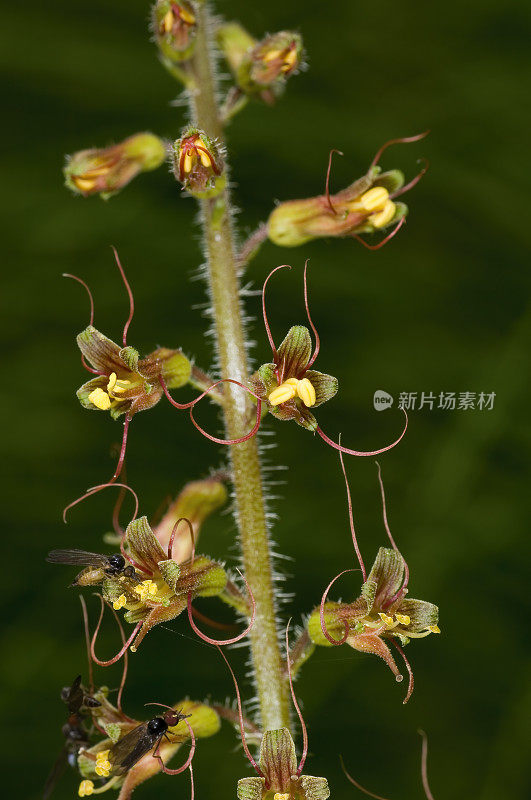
[198, 164]
[106, 170]
[260, 68]
[175, 29]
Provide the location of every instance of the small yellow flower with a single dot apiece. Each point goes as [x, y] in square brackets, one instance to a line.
[120, 602]
[85, 788]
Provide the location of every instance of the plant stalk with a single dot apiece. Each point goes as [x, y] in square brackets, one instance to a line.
[239, 411]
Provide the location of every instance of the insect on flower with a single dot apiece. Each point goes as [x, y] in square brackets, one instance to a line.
[290, 387]
[128, 750]
[78, 702]
[97, 566]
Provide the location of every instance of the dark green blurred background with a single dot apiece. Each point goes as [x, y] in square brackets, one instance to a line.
[445, 307]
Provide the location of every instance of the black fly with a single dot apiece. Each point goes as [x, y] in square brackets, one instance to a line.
[97, 566]
[138, 742]
[74, 731]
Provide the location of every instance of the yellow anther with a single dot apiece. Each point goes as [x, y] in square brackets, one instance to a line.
[292, 382]
[383, 217]
[434, 629]
[271, 55]
[186, 16]
[102, 756]
[84, 184]
[388, 621]
[403, 619]
[167, 22]
[206, 161]
[281, 394]
[100, 399]
[281, 796]
[306, 392]
[146, 589]
[115, 386]
[102, 769]
[85, 788]
[120, 602]
[374, 199]
[188, 161]
[290, 60]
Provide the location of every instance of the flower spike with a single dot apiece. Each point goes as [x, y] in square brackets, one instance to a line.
[234, 639]
[240, 715]
[297, 707]
[350, 452]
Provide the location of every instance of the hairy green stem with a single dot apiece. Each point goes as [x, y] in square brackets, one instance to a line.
[239, 410]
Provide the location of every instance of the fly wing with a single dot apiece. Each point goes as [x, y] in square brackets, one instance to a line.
[130, 749]
[74, 696]
[55, 772]
[77, 558]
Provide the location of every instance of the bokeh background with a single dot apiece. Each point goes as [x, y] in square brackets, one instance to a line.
[444, 307]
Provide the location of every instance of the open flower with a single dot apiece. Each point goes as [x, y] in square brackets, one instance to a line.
[290, 387]
[381, 612]
[106, 170]
[126, 384]
[162, 588]
[366, 206]
[124, 757]
[280, 779]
